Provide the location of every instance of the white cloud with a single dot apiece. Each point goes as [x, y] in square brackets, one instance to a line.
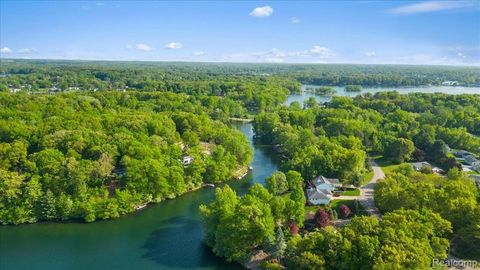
[174, 45]
[295, 20]
[198, 53]
[370, 54]
[316, 54]
[431, 6]
[144, 47]
[5, 50]
[100, 4]
[275, 53]
[459, 54]
[262, 11]
[321, 52]
[27, 50]
[274, 60]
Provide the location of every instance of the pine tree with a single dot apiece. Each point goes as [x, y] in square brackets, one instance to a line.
[49, 206]
[280, 244]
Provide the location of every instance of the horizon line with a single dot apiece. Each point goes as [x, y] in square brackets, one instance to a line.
[227, 62]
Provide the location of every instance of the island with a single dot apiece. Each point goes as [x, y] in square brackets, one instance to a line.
[353, 88]
[322, 90]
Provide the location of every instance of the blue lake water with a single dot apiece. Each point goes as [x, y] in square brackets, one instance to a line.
[454, 90]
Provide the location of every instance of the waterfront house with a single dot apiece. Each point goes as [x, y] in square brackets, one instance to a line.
[318, 197]
[321, 182]
[322, 189]
[449, 83]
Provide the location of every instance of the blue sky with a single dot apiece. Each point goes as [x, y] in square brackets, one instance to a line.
[393, 32]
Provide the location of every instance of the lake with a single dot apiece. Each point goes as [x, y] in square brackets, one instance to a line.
[454, 90]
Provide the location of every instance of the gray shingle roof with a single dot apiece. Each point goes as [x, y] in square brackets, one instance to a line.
[322, 179]
[315, 194]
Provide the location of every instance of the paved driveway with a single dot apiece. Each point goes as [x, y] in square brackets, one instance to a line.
[366, 191]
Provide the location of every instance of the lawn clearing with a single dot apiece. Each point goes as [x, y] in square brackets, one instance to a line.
[351, 192]
[386, 165]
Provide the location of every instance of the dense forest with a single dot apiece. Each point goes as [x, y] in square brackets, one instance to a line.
[454, 197]
[99, 155]
[97, 140]
[242, 228]
[219, 78]
[333, 139]
[241, 91]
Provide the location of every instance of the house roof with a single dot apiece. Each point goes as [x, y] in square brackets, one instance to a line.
[462, 153]
[318, 194]
[470, 159]
[420, 165]
[323, 180]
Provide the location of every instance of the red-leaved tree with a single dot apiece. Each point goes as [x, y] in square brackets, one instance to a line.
[321, 218]
[418, 155]
[344, 211]
[294, 228]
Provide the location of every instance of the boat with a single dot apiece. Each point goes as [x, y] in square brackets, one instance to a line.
[250, 168]
[140, 207]
[209, 185]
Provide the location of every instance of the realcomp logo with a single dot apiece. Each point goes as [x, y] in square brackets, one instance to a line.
[460, 264]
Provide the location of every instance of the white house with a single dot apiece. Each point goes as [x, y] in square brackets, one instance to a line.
[322, 193]
[187, 160]
[322, 182]
[317, 197]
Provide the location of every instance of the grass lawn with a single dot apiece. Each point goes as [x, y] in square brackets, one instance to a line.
[367, 177]
[311, 209]
[386, 165]
[351, 192]
[335, 204]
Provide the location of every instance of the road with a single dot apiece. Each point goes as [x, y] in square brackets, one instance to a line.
[366, 191]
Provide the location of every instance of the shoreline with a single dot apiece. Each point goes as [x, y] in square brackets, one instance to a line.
[140, 207]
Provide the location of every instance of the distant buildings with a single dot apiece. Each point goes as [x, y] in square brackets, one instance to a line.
[450, 83]
[469, 159]
[417, 166]
[472, 161]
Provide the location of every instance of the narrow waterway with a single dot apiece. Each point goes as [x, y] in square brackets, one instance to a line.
[163, 236]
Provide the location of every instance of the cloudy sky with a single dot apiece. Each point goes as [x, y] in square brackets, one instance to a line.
[393, 32]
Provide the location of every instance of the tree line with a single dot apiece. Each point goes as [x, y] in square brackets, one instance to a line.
[333, 138]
